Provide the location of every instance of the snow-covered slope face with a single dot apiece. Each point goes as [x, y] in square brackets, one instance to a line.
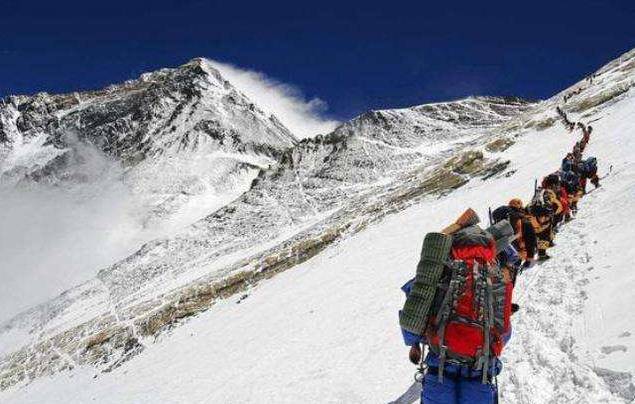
[317, 192]
[425, 125]
[381, 144]
[310, 198]
[316, 198]
[312, 195]
[104, 171]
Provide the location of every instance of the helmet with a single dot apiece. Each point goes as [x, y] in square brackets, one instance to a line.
[516, 203]
[552, 180]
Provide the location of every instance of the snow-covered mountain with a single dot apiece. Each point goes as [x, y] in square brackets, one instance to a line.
[179, 134]
[309, 199]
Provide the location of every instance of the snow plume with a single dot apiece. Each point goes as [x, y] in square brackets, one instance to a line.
[53, 236]
[304, 118]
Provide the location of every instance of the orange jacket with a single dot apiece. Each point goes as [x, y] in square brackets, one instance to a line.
[554, 201]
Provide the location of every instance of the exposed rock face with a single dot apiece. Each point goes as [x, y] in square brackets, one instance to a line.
[499, 145]
[306, 196]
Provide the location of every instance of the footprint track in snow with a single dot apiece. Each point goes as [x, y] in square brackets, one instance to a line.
[541, 362]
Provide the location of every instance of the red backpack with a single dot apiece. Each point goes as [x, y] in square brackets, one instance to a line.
[475, 310]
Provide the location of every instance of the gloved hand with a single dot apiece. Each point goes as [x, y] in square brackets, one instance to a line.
[515, 308]
[415, 354]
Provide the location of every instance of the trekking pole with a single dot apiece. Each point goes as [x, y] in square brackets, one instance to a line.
[497, 393]
[488, 314]
[605, 175]
[491, 221]
[535, 197]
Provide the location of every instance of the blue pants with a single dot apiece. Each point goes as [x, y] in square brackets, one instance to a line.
[456, 391]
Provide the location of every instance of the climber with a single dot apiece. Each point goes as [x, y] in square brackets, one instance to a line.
[526, 242]
[509, 258]
[551, 197]
[553, 183]
[586, 136]
[448, 317]
[577, 152]
[568, 163]
[588, 170]
[570, 180]
[540, 218]
[563, 196]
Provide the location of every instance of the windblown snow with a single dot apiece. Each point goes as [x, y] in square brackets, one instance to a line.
[305, 263]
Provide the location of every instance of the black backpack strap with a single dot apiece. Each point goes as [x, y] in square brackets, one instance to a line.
[488, 315]
[451, 295]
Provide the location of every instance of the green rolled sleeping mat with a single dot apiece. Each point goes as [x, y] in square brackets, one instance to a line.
[434, 255]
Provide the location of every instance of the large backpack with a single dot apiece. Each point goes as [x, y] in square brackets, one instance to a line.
[551, 180]
[571, 181]
[434, 258]
[501, 213]
[589, 166]
[472, 306]
[539, 208]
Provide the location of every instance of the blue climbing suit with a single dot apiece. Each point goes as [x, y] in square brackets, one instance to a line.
[461, 385]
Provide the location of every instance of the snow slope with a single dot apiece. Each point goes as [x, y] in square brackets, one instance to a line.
[320, 191]
[327, 330]
[206, 182]
[144, 158]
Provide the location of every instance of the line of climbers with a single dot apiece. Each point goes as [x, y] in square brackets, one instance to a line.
[572, 125]
[588, 79]
[459, 304]
[566, 97]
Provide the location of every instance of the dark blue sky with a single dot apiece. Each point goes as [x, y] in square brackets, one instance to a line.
[354, 55]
